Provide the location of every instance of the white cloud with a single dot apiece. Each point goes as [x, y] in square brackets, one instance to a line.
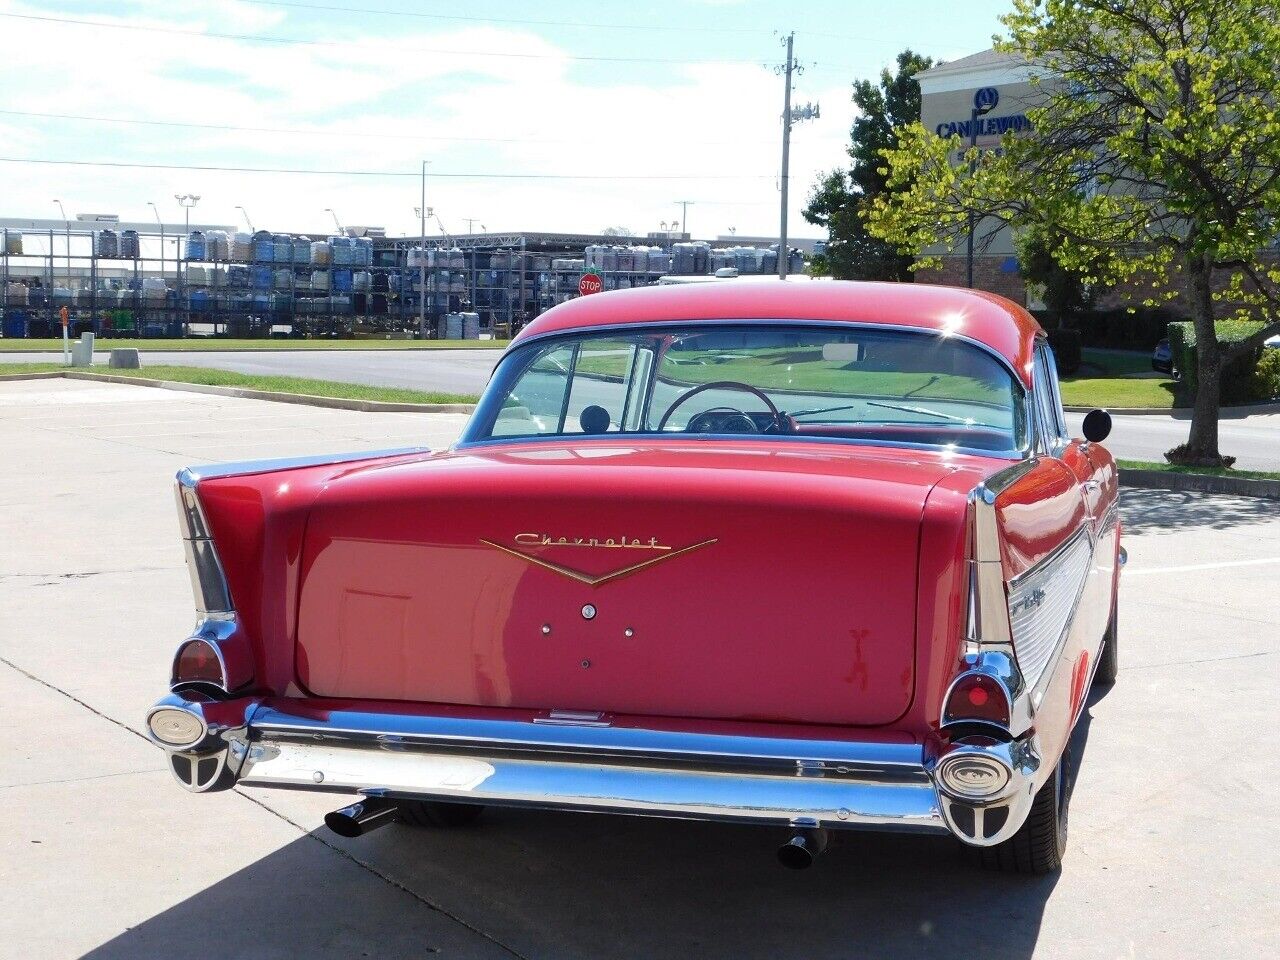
[659, 124]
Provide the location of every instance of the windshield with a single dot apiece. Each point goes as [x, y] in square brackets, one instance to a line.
[852, 383]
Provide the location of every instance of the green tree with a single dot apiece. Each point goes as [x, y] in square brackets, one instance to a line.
[839, 198]
[1155, 152]
[1064, 291]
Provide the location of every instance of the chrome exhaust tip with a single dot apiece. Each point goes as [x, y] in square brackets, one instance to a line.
[804, 847]
[361, 817]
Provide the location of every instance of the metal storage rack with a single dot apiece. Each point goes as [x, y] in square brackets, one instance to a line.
[507, 279]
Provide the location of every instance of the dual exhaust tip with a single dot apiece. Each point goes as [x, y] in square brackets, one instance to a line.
[798, 853]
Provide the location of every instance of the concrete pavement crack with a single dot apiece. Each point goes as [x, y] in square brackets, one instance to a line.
[72, 697]
[386, 878]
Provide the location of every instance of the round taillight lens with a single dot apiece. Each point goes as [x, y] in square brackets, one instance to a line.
[198, 661]
[977, 696]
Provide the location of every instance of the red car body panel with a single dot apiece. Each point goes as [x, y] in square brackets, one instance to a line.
[798, 607]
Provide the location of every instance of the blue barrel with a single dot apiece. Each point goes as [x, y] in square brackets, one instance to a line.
[260, 277]
[264, 247]
[341, 280]
[282, 248]
[195, 245]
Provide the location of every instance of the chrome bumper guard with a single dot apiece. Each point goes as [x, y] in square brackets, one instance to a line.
[585, 766]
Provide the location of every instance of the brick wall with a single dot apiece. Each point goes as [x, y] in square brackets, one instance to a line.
[989, 274]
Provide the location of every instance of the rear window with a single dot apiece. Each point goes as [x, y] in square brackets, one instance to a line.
[821, 381]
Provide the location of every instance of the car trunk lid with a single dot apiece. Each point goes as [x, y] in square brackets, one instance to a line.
[695, 579]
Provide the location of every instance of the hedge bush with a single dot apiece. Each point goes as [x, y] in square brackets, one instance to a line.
[1121, 330]
[1067, 350]
[1241, 381]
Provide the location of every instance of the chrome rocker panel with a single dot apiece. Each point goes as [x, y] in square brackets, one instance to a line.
[585, 766]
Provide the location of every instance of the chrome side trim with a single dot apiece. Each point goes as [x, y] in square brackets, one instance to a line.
[191, 475]
[208, 582]
[1042, 605]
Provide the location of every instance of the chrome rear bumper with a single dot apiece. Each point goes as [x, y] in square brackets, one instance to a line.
[575, 764]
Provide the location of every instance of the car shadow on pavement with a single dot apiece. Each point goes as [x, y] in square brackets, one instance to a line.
[528, 883]
[1156, 511]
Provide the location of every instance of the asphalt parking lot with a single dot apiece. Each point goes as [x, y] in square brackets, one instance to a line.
[1175, 845]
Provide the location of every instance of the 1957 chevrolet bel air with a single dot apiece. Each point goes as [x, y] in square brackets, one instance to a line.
[816, 555]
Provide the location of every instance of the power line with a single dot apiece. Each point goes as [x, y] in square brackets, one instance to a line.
[384, 173]
[300, 41]
[585, 23]
[416, 138]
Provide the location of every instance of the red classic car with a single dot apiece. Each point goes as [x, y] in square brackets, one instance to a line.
[816, 555]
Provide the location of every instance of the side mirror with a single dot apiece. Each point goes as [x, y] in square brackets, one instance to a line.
[1097, 426]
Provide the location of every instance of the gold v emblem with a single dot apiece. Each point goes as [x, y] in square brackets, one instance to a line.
[588, 579]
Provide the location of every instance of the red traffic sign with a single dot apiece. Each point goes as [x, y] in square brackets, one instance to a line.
[590, 283]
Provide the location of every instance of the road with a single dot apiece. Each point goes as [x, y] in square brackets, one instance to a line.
[1253, 440]
[1175, 846]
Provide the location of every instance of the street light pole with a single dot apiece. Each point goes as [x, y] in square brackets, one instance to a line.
[66, 224]
[160, 224]
[422, 256]
[336, 223]
[983, 103]
[187, 200]
[248, 222]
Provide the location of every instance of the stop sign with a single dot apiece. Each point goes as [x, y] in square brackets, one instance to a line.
[590, 283]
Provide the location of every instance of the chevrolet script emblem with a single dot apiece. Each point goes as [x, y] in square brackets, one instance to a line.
[534, 540]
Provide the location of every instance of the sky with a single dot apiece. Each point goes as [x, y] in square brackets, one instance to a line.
[563, 116]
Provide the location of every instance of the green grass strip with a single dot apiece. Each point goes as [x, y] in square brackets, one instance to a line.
[1202, 471]
[303, 386]
[45, 345]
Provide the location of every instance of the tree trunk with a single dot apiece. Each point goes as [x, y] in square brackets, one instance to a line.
[1201, 448]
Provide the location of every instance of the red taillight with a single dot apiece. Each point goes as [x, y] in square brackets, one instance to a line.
[198, 661]
[977, 696]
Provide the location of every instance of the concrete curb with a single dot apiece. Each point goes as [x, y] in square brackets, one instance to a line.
[246, 393]
[1200, 483]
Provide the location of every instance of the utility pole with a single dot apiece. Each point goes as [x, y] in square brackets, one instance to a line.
[684, 214]
[790, 117]
[786, 157]
[471, 221]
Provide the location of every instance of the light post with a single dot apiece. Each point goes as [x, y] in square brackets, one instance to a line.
[186, 201]
[247, 221]
[66, 225]
[329, 210]
[684, 214]
[160, 224]
[984, 101]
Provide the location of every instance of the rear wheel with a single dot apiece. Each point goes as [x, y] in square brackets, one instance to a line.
[1040, 843]
[1108, 659]
[432, 813]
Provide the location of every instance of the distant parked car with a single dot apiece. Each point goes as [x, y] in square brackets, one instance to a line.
[1162, 357]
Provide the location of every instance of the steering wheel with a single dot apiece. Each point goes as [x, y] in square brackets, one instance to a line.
[721, 385]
